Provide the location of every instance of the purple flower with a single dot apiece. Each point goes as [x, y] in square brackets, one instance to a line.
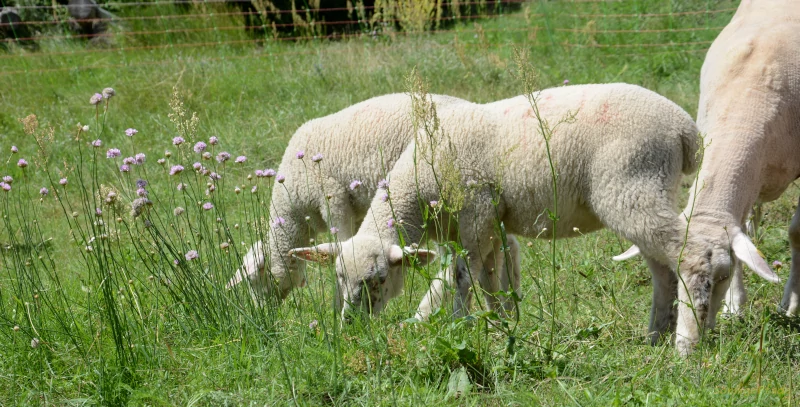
[300, 154]
[334, 230]
[197, 166]
[141, 192]
[240, 159]
[178, 140]
[199, 147]
[95, 99]
[566, 81]
[6, 187]
[22, 163]
[383, 184]
[139, 158]
[176, 169]
[161, 161]
[390, 223]
[317, 157]
[14, 150]
[269, 173]
[434, 204]
[98, 211]
[213, 140]
[355, 184]
[259, 174]
[131, 132]
[176, 262]
[223, 156]
[279, 221]
[140, 183]
[280, 178]
[191, 255]
[124, 168]
[214, 176]
[97, 143]
[8, 179]
[776, 264]
[254, 189]
[208, 206]
[313, 324]
[384, 197]
[44, 191]
[128, 160]
[62, 181]
[113, 153]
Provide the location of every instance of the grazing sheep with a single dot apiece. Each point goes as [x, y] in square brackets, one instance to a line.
[619, 160]
[749, 111]
[357, 145]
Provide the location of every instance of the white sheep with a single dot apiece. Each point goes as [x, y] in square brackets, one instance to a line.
[749, 111]
[619, 162]
[358, 145]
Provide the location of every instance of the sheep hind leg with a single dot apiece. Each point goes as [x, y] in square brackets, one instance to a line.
[790, 304]
[663, 313]
[510, 272]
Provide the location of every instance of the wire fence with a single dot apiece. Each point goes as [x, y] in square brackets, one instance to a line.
[81, 34]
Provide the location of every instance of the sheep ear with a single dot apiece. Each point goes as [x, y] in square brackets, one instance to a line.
[322, 253]
[398, 254]
[747, 252]
[630, 253]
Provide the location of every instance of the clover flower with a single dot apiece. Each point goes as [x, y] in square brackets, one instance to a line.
[124, 168]
[191, 255]
[208, 206]
[223, 156]
[131, 132]
[128, 160]
[383, 184]
[113, 153]
[140, 183]
[14, 150]
[139, 158]
[355, 184]
[97, 143]
[181, 186]
[300, 154]
[44, 191]
[95, 99]
[390, 223]
[280, 178]
[197, 166]
[317, 158]
[240, 159]
[279, 221]
[213, 140]
[178, 140]
[199, 147]
[62, 181]
[6, 187]
[176, 169]
[22, 163]
[334, 230]
[141, 192]
[269, 173]
[108, 93]
[7, 179]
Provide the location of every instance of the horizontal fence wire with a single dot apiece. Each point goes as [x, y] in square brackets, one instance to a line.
[137, 34]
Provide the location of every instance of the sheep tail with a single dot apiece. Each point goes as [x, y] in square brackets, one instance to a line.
[690, 143]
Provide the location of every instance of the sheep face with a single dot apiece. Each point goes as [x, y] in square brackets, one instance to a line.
[368, 273]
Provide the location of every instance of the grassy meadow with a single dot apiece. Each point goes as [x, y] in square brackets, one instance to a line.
[104, 308]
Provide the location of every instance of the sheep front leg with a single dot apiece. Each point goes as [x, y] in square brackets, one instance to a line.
[511, 274]
[791, 293]
[663, 313]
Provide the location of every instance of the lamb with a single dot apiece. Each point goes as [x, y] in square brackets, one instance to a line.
[750, 112]
[333, 190]
[619, 160]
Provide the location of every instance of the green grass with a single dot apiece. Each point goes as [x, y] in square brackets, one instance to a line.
[215, 349]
